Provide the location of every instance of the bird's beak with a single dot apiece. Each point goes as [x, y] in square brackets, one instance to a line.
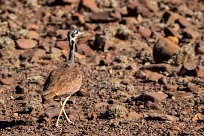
[80, 33]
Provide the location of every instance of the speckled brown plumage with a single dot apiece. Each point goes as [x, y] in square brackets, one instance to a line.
[66, 80]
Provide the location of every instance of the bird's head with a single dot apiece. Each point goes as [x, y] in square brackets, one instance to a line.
[72, 36]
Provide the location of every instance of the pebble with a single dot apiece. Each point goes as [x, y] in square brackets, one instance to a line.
[7, 81]
[164, 49]
[26, 43]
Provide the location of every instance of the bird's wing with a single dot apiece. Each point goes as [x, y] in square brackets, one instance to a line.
[54, 77]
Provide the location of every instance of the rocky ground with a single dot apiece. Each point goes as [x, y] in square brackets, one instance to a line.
[142, 65]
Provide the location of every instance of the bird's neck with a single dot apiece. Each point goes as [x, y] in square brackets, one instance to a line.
[71, 54]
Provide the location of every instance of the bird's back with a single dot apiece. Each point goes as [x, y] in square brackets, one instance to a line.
[66, 79]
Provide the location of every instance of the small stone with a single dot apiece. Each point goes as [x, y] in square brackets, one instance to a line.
[7, 81]
[63, 45]
[90, 4]
[102, 17]
[170, 17]
[71, 1]
[133, 66]
[80, 17]
[197, 117]
[154, 96]
[183, 22]
[188, 67]
[84, 49]
[195, 89]
[200, 71]
[56, 52]
[200, 47]
[52, 112]
[32, 27]
[164, 49]
[116, 15]
[134, 115]
[61, 34]
[26, 43]
[27, 54]
[155, 77]
[188, 33]
[161, 117]
[129, 21]
[159, 67]
[33, 35]
[145, 32]
[171, 32]
[173, 39]
[37, 55]
[191, 65]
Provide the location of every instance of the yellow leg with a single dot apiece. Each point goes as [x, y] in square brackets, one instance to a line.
[63, 110]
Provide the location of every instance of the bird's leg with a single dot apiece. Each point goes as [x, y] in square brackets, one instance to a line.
[62, 109]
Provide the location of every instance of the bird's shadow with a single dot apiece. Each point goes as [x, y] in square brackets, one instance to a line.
[6, 124]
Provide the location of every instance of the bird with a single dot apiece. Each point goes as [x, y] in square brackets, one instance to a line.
[65, 80]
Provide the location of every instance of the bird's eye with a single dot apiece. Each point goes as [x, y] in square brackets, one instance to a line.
[77, 32]
[73, 35]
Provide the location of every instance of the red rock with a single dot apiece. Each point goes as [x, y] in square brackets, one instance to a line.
[84, 49]
[171, 32]
[183, 22]
[33, 35]
[194, 89]
[171, 88]
[62, 34]
[164, 49]
[79, 56]
[145, 32]
[80, 17]
[90, 4]
[158, 67]
[26, 43]
[102, 17]
[133, 66]
[129, 21]
[71, 1]
[52, 112]
[170, 17]
[134, 115]
[161, 117]
[200, 71]
[32, 27]
[154, 76]
[141, 6]
[173, 39]
[190, 65]
[56, 52]
[200, 47]
[197, 117]
[191, 34]
[63, 45]
[154, 96]
[116, 15]
[37, 54]
[7, 81]
[122, 10]
[27, 54]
